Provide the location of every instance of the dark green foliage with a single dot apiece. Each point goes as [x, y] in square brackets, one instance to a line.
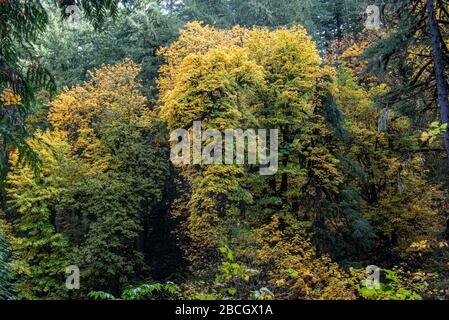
[5, 271]
[21, 23]
[123, 202]
[354, 238]
[223, 13]
[326, 20]
[136, 32]
[336, 19]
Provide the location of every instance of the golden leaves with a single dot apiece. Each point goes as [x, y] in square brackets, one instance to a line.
[87, 112]
[9, 98]
[208, 66]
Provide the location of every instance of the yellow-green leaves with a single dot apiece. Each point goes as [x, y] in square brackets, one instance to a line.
[435, 131]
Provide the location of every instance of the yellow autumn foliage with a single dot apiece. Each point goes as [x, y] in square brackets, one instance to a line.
[87, 112]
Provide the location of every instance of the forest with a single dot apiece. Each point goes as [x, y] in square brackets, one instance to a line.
[93, 207]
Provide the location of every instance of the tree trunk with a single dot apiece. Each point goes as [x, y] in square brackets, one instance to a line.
[442, 87]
